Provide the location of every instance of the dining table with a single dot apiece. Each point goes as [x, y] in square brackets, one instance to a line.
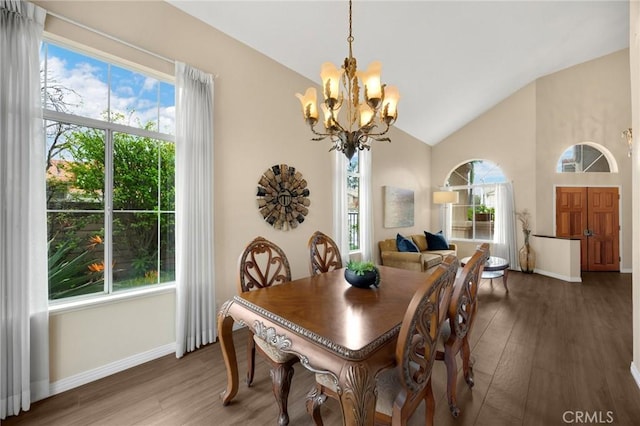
[346, 332]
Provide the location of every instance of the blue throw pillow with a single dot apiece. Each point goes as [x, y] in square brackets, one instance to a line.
[436, 241]
[406, 244]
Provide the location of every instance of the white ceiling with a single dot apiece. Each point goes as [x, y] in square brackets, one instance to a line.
[452, 60]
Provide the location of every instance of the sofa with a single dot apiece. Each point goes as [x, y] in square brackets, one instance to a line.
[422, 261]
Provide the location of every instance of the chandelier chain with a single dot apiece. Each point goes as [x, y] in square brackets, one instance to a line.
[350, 38]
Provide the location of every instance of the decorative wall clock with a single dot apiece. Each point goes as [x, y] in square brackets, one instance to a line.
[282, 197]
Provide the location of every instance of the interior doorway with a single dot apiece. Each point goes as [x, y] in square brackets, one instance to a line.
[591, 214]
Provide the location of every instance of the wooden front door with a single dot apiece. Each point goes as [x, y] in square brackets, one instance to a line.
[591, 214]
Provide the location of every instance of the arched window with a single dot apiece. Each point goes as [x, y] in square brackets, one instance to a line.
[586, 157]
[473, 217]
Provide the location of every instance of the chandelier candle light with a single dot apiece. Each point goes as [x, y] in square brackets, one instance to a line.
[360, 126]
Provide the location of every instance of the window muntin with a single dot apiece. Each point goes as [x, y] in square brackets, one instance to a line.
[583, 158]
[110, 175]
[353, 201]
[473, 217]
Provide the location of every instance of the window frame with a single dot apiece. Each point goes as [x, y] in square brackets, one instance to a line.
[471, 187]
[109, 128]
[357, 176]
[604, 153]
[473, 220]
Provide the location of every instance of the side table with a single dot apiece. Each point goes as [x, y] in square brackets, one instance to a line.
[495, 267]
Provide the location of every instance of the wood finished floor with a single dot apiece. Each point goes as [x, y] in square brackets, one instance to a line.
[546, 348]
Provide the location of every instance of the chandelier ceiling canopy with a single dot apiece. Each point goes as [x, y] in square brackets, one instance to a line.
[365, 118]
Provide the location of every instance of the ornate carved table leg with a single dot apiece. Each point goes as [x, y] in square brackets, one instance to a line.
[315, 398]
[281, 375]
[251, 359]
[225, 333]
[504, 279]
[359, 396]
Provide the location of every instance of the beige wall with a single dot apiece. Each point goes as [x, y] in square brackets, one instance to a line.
[589, 102]
[504, 135]
[634, 46]
[401, 164]
[86, 339]
[258, 124]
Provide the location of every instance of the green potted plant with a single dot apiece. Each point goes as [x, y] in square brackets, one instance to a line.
[362, 274]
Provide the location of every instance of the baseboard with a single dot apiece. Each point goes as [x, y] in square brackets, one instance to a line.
[626, 270]
[558, 276]
[636, 374]
[109, 369]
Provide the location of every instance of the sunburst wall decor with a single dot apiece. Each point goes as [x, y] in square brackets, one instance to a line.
[282, 197]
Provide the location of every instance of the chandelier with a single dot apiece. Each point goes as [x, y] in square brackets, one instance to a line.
[364, 119]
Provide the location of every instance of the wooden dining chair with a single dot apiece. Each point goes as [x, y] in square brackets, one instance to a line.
[264, 264]
[401, 389]
[460, 318]
[324, 254]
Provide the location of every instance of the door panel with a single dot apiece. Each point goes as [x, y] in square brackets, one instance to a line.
[571, 217]
[591, 214]
[603, 243]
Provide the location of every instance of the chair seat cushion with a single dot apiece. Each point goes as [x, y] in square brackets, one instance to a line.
[388, 385]
[445, 333]
[273, 353]
[326, 380]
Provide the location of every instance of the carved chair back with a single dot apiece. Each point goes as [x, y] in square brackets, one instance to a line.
[324, 254]
[262, 264]
[464, 306]
[420, 330]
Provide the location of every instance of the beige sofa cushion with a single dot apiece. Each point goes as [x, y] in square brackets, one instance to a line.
[426, 259]
[430, 260]
[421, 241]
[388, 245]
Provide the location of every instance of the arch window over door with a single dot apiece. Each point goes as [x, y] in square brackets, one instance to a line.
[586, 158]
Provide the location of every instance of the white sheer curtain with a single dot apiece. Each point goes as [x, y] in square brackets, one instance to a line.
[446, 219]
[366, 206]
[504, 239]
[340, 205]
[195, 275]
[24, 317]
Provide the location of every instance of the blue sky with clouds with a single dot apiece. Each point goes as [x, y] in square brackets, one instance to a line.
[139, 98]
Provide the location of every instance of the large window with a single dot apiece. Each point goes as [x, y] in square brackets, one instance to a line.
[110, 159]
[353, 201]
[473, 217]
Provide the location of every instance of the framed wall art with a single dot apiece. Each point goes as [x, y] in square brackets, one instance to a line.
[398, 207]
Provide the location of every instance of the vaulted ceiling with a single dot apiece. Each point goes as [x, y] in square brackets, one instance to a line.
[452, 60]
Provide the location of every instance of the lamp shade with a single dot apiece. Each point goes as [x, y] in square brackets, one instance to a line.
[309, 105]
[371, 81]
[330, 75]
[445, 197]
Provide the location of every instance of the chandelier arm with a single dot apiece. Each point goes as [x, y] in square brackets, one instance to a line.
[384, 132]
[336, 123]
[313, 130]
